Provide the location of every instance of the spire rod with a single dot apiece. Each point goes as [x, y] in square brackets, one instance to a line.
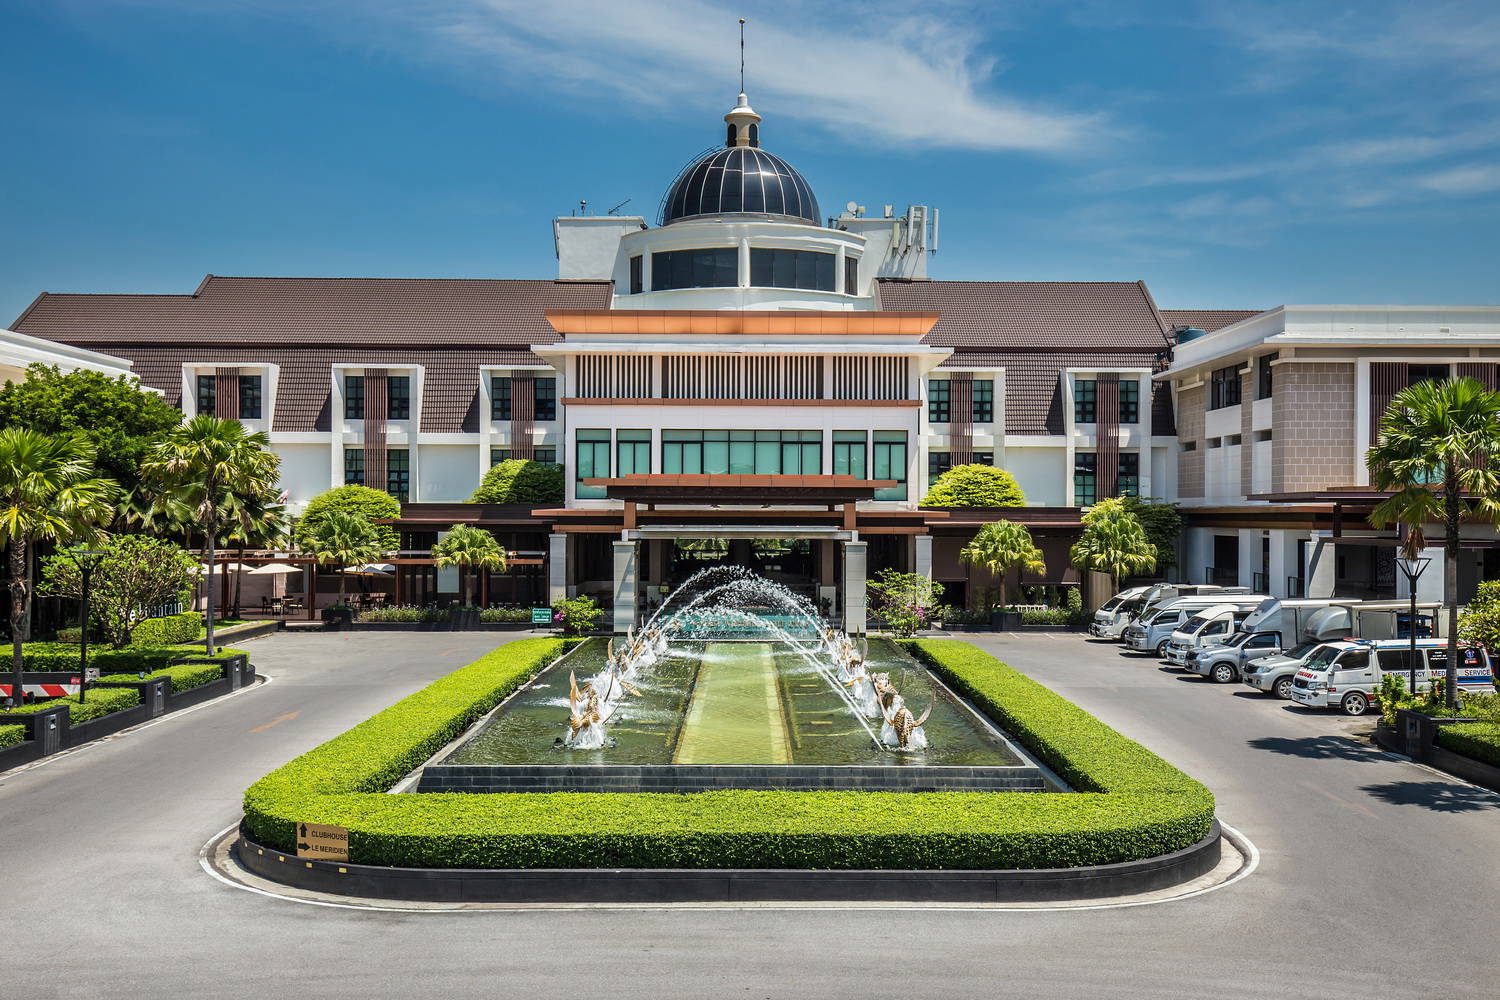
[742, 55]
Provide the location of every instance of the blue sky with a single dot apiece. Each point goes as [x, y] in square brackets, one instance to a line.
[1232, 154]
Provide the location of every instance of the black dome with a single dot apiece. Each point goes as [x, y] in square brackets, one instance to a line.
[740, 180]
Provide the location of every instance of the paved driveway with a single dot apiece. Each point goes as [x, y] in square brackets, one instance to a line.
[1379, 878]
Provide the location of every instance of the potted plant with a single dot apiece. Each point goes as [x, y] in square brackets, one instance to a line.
[338, 617]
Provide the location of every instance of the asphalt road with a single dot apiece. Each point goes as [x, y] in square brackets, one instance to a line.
[1378, 878]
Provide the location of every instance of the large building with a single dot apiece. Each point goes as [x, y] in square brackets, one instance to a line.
[753, 380]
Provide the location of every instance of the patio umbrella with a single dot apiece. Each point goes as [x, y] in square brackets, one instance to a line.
[368, 569]
[229, 567]
[275, 569]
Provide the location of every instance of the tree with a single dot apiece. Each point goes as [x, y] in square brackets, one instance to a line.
[1002, 546]
[48, 492]
[371, 504]
[257, 521]
[1113, 542]
[1435, 454]
[467, 547]
[906, 602]
[975, 486]
[343, 539]
[520, 481]
[120, 419]
[208, 465]
[1480, 622]
[1163, 526]
[135, 576]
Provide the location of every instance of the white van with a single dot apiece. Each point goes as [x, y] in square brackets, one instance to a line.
[1347, 674]
[1210, 626]
[1114, 614]
[1153, 629]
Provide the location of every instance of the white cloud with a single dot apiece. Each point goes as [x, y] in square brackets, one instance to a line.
[1463, 180]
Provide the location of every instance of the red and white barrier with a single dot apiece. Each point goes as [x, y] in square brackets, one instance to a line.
[44, 690]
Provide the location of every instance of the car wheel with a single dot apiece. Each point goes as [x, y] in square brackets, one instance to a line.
[1283, 689]
[1354, 703]
[1161, 650]
[1223, 673]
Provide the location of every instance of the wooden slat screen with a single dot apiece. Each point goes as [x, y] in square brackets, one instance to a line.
[377, 408]
[227, 393]
[1487, 374]
[1386, 379]
[961, 418]
[1107, 429]
[522, 416]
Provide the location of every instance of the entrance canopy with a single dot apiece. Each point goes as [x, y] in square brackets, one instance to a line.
[785, 531]
[730, 489]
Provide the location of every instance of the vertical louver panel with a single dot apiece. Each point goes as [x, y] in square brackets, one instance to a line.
[870, 378]
[522, 416]
[227, 393]
[377, 408]
[961, 418]
[1488, 375]
[1386, 379]
[1107, 429]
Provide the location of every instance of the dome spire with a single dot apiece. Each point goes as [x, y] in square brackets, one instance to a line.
[743, 122]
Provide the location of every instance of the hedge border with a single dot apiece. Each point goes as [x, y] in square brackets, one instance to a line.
[99, 703]
[11, 736]
[1479, 740]
[1131, 806]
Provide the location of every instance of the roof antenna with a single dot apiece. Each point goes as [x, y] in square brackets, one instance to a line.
[742, 55]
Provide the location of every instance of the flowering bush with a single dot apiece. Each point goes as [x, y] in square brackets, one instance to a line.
[577, 615]
[906, 602]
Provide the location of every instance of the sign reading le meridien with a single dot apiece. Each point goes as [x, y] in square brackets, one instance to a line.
[318, 840]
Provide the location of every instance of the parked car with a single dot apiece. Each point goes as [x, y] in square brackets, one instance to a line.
[1347, 674]
[1222, 663]
[1273, 674]
[1153, 630]
[1208, 626]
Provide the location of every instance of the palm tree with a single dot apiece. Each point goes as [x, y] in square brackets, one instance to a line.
[47, 492]
[342, 538]
[1113, 542]
[257, 521]
[203, 465]
[466, 547]
[1435, 452]
[1002, 546]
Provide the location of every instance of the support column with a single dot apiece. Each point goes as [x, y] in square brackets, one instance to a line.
[854, 587]
[828, 580]
[557, 568]
[1282, 563]
[625, 585]
[1200, 548]
[921, 563]
[1322, 563]
[1249, 542]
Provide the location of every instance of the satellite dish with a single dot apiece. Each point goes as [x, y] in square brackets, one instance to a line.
[852, 207]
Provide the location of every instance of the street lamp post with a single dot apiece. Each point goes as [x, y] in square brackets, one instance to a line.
[1412, 568]
[86, 560]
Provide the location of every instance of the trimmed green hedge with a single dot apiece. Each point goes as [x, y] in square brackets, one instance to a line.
[185, 676]
[100, 702]
[1132, 804]
[1480, 740]
[173, 630]
[62, 656]
[12, 736]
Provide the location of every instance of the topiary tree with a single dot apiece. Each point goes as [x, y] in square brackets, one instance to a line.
[517, 480]
[975, 486]
[134, 577]
[1113, 542]
[1002, 546]
[370, 504]
[467, 547]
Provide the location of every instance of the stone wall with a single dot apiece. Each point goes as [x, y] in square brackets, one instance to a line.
[1191, 405]
[1312, 413]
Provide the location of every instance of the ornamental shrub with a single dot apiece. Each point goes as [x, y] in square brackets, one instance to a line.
[370, 504]
[99, 703]
[61, 657]
[975, 486]
[1479, 740]
[1480, 622]
[577, 615]
[134, 574]
[518, 480]
[12, 736]
[906, 602]
[184, 676]
[173, 630]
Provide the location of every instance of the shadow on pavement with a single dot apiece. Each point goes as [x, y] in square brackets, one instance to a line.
[1318, 747]
[1439, 796]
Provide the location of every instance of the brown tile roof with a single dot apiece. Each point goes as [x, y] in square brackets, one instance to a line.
[1207, 320]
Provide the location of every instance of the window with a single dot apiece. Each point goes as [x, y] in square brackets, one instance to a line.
[354, 397]
[592, 463]
[1264, 640]
[398, 473]
[354, 466]
[546, 399]
[250, 397]
[984, 400]
[499, 397]
[1129, 482]
[1264, 375]
[1085, 401]
[890, 463]
[801, 453]
[547, 455]
[1190, 446]
[851, 275]
[1354, 659]
[714, 267]
[1130, 401]
[1224, 388]
[1425, 373]
[398, 397]
[206, 395]
[761, 453]
[637, 275]
[1085, 478]
[938, 407]
[849, 453]
[939, 462]
[632, 452]
[1393, 660]
[809, 269]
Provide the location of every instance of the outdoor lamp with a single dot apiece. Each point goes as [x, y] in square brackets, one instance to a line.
[1412, 568]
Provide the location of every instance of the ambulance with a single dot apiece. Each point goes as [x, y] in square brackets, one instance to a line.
[1346, 674]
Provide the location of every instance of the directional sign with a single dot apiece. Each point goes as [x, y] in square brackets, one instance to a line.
[318, 840]
[541, 616]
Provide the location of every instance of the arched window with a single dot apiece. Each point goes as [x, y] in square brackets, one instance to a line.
[729, 139]
[754, 134]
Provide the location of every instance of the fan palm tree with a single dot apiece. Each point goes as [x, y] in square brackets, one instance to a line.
[1435, 453]
[204, 465]
[1002, 546]
[257, 521]
[48, 492]
[343, 539]
[468, 547]
[1113, 542]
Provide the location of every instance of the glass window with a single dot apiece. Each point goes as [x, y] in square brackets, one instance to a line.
[632, 452]
[939, 462]
[354, 397]
[1085, 478]
[801, 453]
[851, 275]
[889, 454]
[1264, 374]
[810, 269]
[206, 395]
[1425, 373]
[250, 398]
[1129, 482]
[1264, 640]
[546, 454]
[637, 275]
[546, 399]
[354, 466]
[1085, 401]
[1354, 659]
[849, 453]
[1130, 401]
[592, 463]
[398, 397]
[984, 400]
[682, 452]
[499, 397]
[760, 453]
[1224, 387]
[714, 267]
[938, 408]
[398, 473]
